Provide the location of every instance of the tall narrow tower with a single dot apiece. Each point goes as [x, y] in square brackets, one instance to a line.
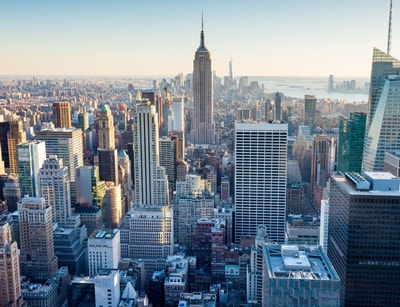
[10, 289]
[108, 157]
[54, 188]
[151, 182]
[31, 156]
[15, 136]
[203, 131]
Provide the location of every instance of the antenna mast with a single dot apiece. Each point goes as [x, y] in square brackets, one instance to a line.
[390, 30]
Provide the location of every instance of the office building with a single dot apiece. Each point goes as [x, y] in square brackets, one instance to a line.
[10, 289]
[70, 251]
[177, 279]
[107, 154]
[198, 299]
[260, 178]
[203, 130]
[310, 106]
[83, 120]
[363, 241]
[179, 114]
[151, 181]
[296, 276]
[351, 143]
[112, 206]
[12, 192]
[15, 135]
[147, 233]
[66, 144]
[254, 274]
[62, 114]
[31, 156]
[168, 159]
[125, 179]
[40, 293]
[324, 224]
[37, 258]
[90, 190]
[392, 163]
[103, 250]
[4, 129]
[54, 187]
[107, 288]
[321, 162]
[278, 106]
[383, 125]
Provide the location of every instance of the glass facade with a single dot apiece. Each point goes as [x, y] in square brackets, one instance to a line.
[383, 65]
[351, 143]
[364, 244]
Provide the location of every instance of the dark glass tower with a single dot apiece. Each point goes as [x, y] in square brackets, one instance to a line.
[351, 143]
[364, 238]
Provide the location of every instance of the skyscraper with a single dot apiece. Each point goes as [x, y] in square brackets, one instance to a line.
[90, 190]
[31, 156]
[62, 114]
[203, 131]
[351, 143]
[54, 187]
[320, 166]
[15, 136]
[363, 238]
[310, 105]
[151, 182]
[108, 157]
[66, 144]
[10, 289]
[37, 257]
[383, 126]
[260, 178]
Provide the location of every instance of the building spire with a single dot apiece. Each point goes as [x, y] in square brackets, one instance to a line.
[390, 30]
[202, 33]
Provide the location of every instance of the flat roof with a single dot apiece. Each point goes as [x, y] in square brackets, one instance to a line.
[295, 262]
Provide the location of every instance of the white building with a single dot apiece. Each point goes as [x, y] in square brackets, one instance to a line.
[103, 250]
[260, 178]
[147, 233]
[179, 114]
[54, 187]
[151, 182]
[107, 288]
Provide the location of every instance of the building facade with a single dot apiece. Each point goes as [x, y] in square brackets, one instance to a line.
[31, 156]
[37, 258]
[363, 241]
[351, 143]
[203, 130]
[260, 178]
[54, 187]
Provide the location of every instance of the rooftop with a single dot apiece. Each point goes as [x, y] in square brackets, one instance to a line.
[294, 262]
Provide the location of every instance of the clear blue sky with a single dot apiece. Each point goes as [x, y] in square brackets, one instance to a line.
[148, 37]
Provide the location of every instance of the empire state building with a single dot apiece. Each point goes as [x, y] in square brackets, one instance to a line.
[203, 131]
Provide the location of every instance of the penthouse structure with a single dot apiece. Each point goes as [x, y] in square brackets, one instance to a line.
[303, 277]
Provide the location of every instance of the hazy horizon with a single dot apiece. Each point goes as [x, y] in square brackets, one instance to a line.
[285, 38]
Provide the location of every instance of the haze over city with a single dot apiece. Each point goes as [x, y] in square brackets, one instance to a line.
[286, 38]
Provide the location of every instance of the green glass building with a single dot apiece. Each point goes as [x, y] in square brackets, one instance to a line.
[351, 143]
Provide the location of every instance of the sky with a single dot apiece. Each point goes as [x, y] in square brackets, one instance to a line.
[158, 38]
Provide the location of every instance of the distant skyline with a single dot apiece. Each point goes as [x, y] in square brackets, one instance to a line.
[263, 38]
